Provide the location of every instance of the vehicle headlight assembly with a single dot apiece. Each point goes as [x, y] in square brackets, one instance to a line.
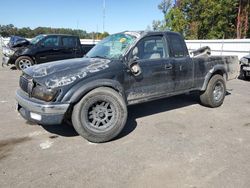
[244, 61]
[43, 93]
[8, 52]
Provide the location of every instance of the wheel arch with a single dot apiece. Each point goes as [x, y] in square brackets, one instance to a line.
[26, 55]
[75, 94]
[218, 69]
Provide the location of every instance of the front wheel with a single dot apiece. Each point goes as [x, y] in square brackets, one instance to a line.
[215, 92]
[100, 115]
[23, 62]
[246, 77]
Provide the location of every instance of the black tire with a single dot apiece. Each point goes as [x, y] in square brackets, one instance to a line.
[100, 115]
[246, 77]
[23, 62]
[242, 73]
[215, 92]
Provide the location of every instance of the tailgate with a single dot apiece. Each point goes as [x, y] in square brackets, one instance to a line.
[233, 67]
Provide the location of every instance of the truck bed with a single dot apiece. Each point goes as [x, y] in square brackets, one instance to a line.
[203, 65]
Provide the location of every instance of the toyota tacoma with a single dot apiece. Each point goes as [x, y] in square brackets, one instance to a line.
[123, 69]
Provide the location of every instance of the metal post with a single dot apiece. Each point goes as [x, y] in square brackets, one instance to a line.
[222, 46]
[104, 15]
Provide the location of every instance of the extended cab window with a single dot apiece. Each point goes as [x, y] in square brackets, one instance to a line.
[69, 42]
[152, 48]
[177, 46]
[51, 41]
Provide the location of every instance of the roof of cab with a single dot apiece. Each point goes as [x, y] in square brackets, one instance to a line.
[144, 33]
[55, 34]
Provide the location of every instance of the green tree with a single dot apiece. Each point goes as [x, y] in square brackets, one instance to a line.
[8, 30]
[176, 20]
[105, 34]
[165, 7]
[203, 19]
[157, 25]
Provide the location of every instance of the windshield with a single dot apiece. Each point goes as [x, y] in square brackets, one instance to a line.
[37, 39]
[112, 47]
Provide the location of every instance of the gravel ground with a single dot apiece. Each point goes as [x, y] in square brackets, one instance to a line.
[173, 142]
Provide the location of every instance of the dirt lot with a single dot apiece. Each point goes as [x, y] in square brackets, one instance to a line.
[173, 142]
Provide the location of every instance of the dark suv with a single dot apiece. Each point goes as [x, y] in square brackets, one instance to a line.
[45, 48]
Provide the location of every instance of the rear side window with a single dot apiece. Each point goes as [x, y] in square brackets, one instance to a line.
[69, 42]
[177, 46]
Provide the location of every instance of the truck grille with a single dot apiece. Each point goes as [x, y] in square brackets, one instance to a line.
[26, 84]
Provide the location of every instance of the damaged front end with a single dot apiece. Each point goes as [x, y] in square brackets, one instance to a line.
[34, 89]
[7, 54]
[245, 66]
[41, 86]
[36, 102]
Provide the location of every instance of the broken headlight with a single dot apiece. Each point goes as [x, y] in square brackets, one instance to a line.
[43, 93]
[244, 61]
[8, 52]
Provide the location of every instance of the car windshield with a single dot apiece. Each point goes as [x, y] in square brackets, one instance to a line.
[37, 39]
[112, 47]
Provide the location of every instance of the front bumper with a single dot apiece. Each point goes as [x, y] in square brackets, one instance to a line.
[246, 69]
[5, 60]
[39, 111]
[8, 60]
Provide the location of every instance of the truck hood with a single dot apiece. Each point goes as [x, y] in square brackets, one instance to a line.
[60, 73]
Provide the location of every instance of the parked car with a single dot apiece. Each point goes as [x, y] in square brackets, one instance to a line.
[123, 69]
[42, 49]
[245, 66]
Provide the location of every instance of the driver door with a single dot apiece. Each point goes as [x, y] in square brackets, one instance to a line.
[157, 73]
[49, 50]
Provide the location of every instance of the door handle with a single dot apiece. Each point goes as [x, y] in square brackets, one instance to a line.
[168, 67]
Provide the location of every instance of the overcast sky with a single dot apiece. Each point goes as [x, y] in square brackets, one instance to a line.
[83, 14]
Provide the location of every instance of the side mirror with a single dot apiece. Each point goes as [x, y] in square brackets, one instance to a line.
[134, 67]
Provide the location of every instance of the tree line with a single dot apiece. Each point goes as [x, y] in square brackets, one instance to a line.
[26, 32]
[205, 19]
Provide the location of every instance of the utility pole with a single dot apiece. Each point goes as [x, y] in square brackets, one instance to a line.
[242, 18]
[104, 15]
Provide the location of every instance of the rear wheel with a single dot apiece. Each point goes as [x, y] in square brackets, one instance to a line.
[215, 92]
[246, 77]
[100, 115]
[23, 62]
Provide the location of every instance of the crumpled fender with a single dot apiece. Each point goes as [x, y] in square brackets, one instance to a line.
[76, 93]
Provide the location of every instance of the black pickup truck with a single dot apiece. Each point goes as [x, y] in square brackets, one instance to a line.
[44, 48]
[123, 69]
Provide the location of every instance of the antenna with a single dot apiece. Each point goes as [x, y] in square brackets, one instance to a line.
[104, 12]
